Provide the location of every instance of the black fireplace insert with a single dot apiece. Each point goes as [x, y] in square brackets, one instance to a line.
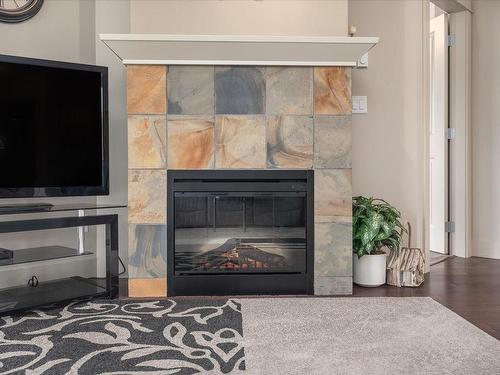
[240, 232]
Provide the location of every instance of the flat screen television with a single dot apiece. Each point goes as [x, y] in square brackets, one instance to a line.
[53, 128]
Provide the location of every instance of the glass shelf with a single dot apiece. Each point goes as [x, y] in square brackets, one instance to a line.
[37, 254]
[18, 298]
[81, 277]
[20, 209]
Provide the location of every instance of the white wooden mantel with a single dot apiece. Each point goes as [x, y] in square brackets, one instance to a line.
[162, 49]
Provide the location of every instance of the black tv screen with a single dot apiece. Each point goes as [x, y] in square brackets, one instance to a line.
[53, 128]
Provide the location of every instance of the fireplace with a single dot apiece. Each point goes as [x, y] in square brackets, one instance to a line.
[240, 232]
[246, 126]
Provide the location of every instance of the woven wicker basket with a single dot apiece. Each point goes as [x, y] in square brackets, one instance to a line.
[406, 267]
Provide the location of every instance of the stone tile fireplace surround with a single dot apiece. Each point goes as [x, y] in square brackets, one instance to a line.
[239, 117]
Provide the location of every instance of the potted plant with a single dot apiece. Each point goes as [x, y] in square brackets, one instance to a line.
[376, 228]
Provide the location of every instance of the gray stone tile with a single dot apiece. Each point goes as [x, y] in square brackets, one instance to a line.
[191, 90]
[240, 90]
[332, 286]
[147, 251]
[289, 141]
[333, 249]
[289, 90]
[332, 142]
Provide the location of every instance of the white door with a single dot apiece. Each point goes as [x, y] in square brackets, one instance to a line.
[438, 143]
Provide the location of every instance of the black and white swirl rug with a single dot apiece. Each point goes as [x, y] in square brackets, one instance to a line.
[120, 337]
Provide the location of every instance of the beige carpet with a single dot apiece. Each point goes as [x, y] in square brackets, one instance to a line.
[362, 336]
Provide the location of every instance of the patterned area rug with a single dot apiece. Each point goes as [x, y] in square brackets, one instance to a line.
[120, 337]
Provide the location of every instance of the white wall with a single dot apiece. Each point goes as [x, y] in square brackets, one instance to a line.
[113, 16]
[435, 11]
[453, 6]
[465, 3]
[486, 128]
[387, 142]
[270, 17]
[388, 158]
[59, 32]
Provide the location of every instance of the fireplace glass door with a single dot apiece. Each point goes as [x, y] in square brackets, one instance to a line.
[240, 232]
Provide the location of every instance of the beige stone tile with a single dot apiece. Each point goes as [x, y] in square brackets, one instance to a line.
[332, 91]
[147, 193]
[147, 142]
[240, 142]
[332, 142]
[146, 89]
[289, 141]
[140, 288]
[332, 194]
[289, 90]
[190, 142]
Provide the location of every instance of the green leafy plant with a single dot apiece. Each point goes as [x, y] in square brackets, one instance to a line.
[376, 225]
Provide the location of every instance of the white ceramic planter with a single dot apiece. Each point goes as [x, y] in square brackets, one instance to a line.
[369, 270]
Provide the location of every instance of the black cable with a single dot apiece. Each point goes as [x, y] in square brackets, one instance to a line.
[121, 273]
[123, 265]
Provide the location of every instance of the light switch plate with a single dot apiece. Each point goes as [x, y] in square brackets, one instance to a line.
[355, 104]
[359, 104]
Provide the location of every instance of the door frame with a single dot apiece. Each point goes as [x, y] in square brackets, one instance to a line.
[459, 95]
[438, 155]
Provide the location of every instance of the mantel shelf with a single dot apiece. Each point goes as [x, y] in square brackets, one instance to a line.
[163, 49]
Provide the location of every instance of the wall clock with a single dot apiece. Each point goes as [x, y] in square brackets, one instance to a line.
[13, 11]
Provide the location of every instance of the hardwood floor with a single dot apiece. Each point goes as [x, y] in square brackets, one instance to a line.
[469, 287]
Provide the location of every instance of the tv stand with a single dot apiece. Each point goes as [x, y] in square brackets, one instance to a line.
[25, 207]
[70, 285]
